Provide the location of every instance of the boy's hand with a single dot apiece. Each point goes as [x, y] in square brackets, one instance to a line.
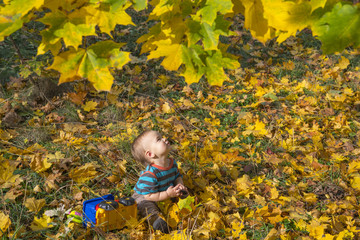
[173, 192]
[182, 190]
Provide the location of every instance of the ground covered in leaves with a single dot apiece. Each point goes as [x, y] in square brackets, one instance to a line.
[272, 154]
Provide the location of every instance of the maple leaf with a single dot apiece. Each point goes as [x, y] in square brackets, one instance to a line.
[343, 62]
[34, 205]
[171, 51]
[255, 21]
[139, 4]
[244, 185]
[211, 9]
[166, 108]
[355, 182]
[89, 106]
[287, 17]
[41, 223]
[338, 28]
[258, 129]
[12, 194]
[84, 173]
[215, 65]
[7, 177]
[5, 223]
[60, 24]
[39, 164]
[194, 66]
[186, 203]
[77, 32]
[106, 14]
[12, 13]
[316, 229]
[92, 63]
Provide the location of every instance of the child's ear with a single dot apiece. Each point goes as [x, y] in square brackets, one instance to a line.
[148, 154]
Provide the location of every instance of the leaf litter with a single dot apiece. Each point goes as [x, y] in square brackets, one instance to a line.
[271, 154]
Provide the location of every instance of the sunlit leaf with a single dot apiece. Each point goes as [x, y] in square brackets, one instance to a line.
[34, 205]
[5, 223]
[186, 203]
[84, 173]
[171, 52]
[39, 163]
[41, 223]
[92, 63]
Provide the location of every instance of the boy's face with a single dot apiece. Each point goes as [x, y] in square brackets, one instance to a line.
[156, 144]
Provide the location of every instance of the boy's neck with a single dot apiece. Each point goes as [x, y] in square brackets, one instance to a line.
[162, 162]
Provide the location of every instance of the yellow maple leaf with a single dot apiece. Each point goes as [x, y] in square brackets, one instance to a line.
[287, 17]
[353, 167]
[12, 194]
[254, 19]
[84, 173]
[41, 223]
[172, 53]
[4, 223]
[7, 178]
[316, 229]
[257, 130]
[273, 234]
[173, 215]
[5, 135]
[34, 205]
[355, 182]
[244, 185]
[310, 197]
[166, 108]
[89, 106]
[343, 63]
[107, 20]
[39, 164]
[162, 80]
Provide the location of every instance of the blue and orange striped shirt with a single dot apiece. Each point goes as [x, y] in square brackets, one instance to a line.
[157, 179]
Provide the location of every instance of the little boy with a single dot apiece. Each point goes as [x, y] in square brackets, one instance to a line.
[159, 181]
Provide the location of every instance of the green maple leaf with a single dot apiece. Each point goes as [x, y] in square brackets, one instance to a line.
[194, 66]
[92, 63]
[49, 42]
[8, 25]
[212, 7]
[212, 33]
[77, 32]
[108, 14]
[210, 38]
[215, 65]
[139, 4]
[60, 25]
[186, 203]
[339, 28]
[193, 33]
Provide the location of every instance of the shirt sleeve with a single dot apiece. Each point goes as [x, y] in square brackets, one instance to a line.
[147, 183]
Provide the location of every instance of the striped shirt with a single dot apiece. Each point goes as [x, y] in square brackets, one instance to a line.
[156, 178]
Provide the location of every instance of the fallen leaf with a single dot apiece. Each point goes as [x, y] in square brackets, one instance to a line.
[34, 205]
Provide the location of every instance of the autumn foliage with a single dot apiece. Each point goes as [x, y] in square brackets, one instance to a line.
[270, 152]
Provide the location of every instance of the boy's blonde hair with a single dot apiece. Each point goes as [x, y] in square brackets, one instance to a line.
[138, 150]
